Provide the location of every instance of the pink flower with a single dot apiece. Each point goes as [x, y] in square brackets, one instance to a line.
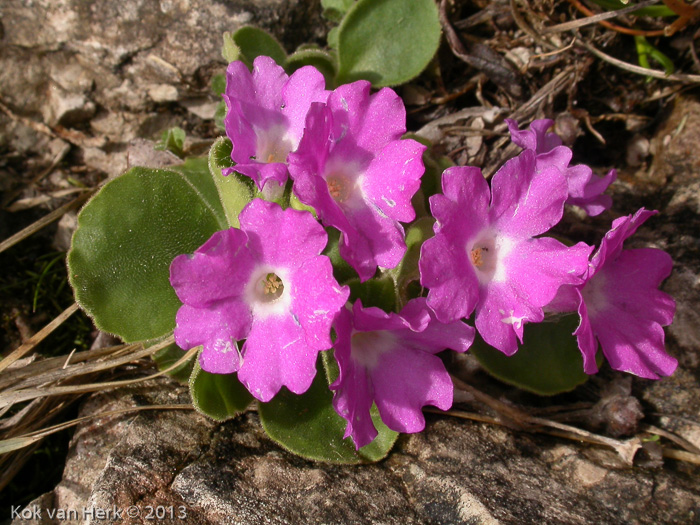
[353, 169]
[585, 189]
[486, 255]
[266, 116]
[621, 307]
[388, 359]
[265, 283]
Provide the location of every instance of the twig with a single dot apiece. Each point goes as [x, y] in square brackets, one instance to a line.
[38, 337]
[529, 31]
[521, 420]
[678, 440]
[681, 455]
[594, 19]
[678, 77]
[44, 221]
[625, 30]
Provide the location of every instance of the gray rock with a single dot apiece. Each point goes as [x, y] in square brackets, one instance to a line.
[67, 62]
[454, 472]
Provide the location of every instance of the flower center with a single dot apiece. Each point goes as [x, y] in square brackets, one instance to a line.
[338, 188]
[268, 292]
[271, 288]
[484, 255]
[273, 145]
[488, 255]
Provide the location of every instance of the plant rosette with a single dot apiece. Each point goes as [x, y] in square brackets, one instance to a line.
[293, 258]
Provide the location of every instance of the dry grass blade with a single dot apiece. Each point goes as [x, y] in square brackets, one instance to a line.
[594, 19]
[44, 221]
[16, 374]
[518, 419]
[27, 347]
[19, 395]
[681, 455]
[16, 443]
[676, 77]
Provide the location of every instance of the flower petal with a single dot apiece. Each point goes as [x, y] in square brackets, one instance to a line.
[393, 177]
[305, 87]
[525, 203]
[405, 380]
[280, 237]
[316, 300]
[501, 315]
[538, 267]
[587, 342]
[276, 354]
[633, 345]
[206, 277]
[216, 328]
[353, 393]
[365, 122]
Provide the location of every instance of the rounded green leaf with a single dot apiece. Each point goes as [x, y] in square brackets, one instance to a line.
[313, 57]
[127, 236]
[548, 363]
[334, 10]
[235, 190]
[308, 426]
[387, 42]
[253, 42]
[219, 396]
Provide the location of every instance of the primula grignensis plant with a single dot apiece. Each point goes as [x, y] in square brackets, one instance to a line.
[304, 275]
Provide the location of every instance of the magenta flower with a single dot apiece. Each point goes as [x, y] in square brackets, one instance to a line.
[585, 188]
[621, 307]
[486, 257]
[266, 115]
[265, 283]
[388, 359]
[353, 169]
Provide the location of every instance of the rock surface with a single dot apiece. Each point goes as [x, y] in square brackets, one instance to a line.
[116, 66]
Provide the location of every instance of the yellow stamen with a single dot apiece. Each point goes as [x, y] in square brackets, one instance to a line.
[272, 285]
[476, 257]
[338, 188]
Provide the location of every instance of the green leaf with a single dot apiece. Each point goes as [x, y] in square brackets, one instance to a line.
[173, 140]
[219, 396]
[334, 10]
[127, 236]
[230, 50]
[168, 356]
[313, 57]
[387, 42]
[548, 363]
[218, 84]
[235, 190]
[220, 115]
[645, 51]
[309, 426]
[375, 292]
[332, 38]
[254, 42]
[407, 270]
[342, 271]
